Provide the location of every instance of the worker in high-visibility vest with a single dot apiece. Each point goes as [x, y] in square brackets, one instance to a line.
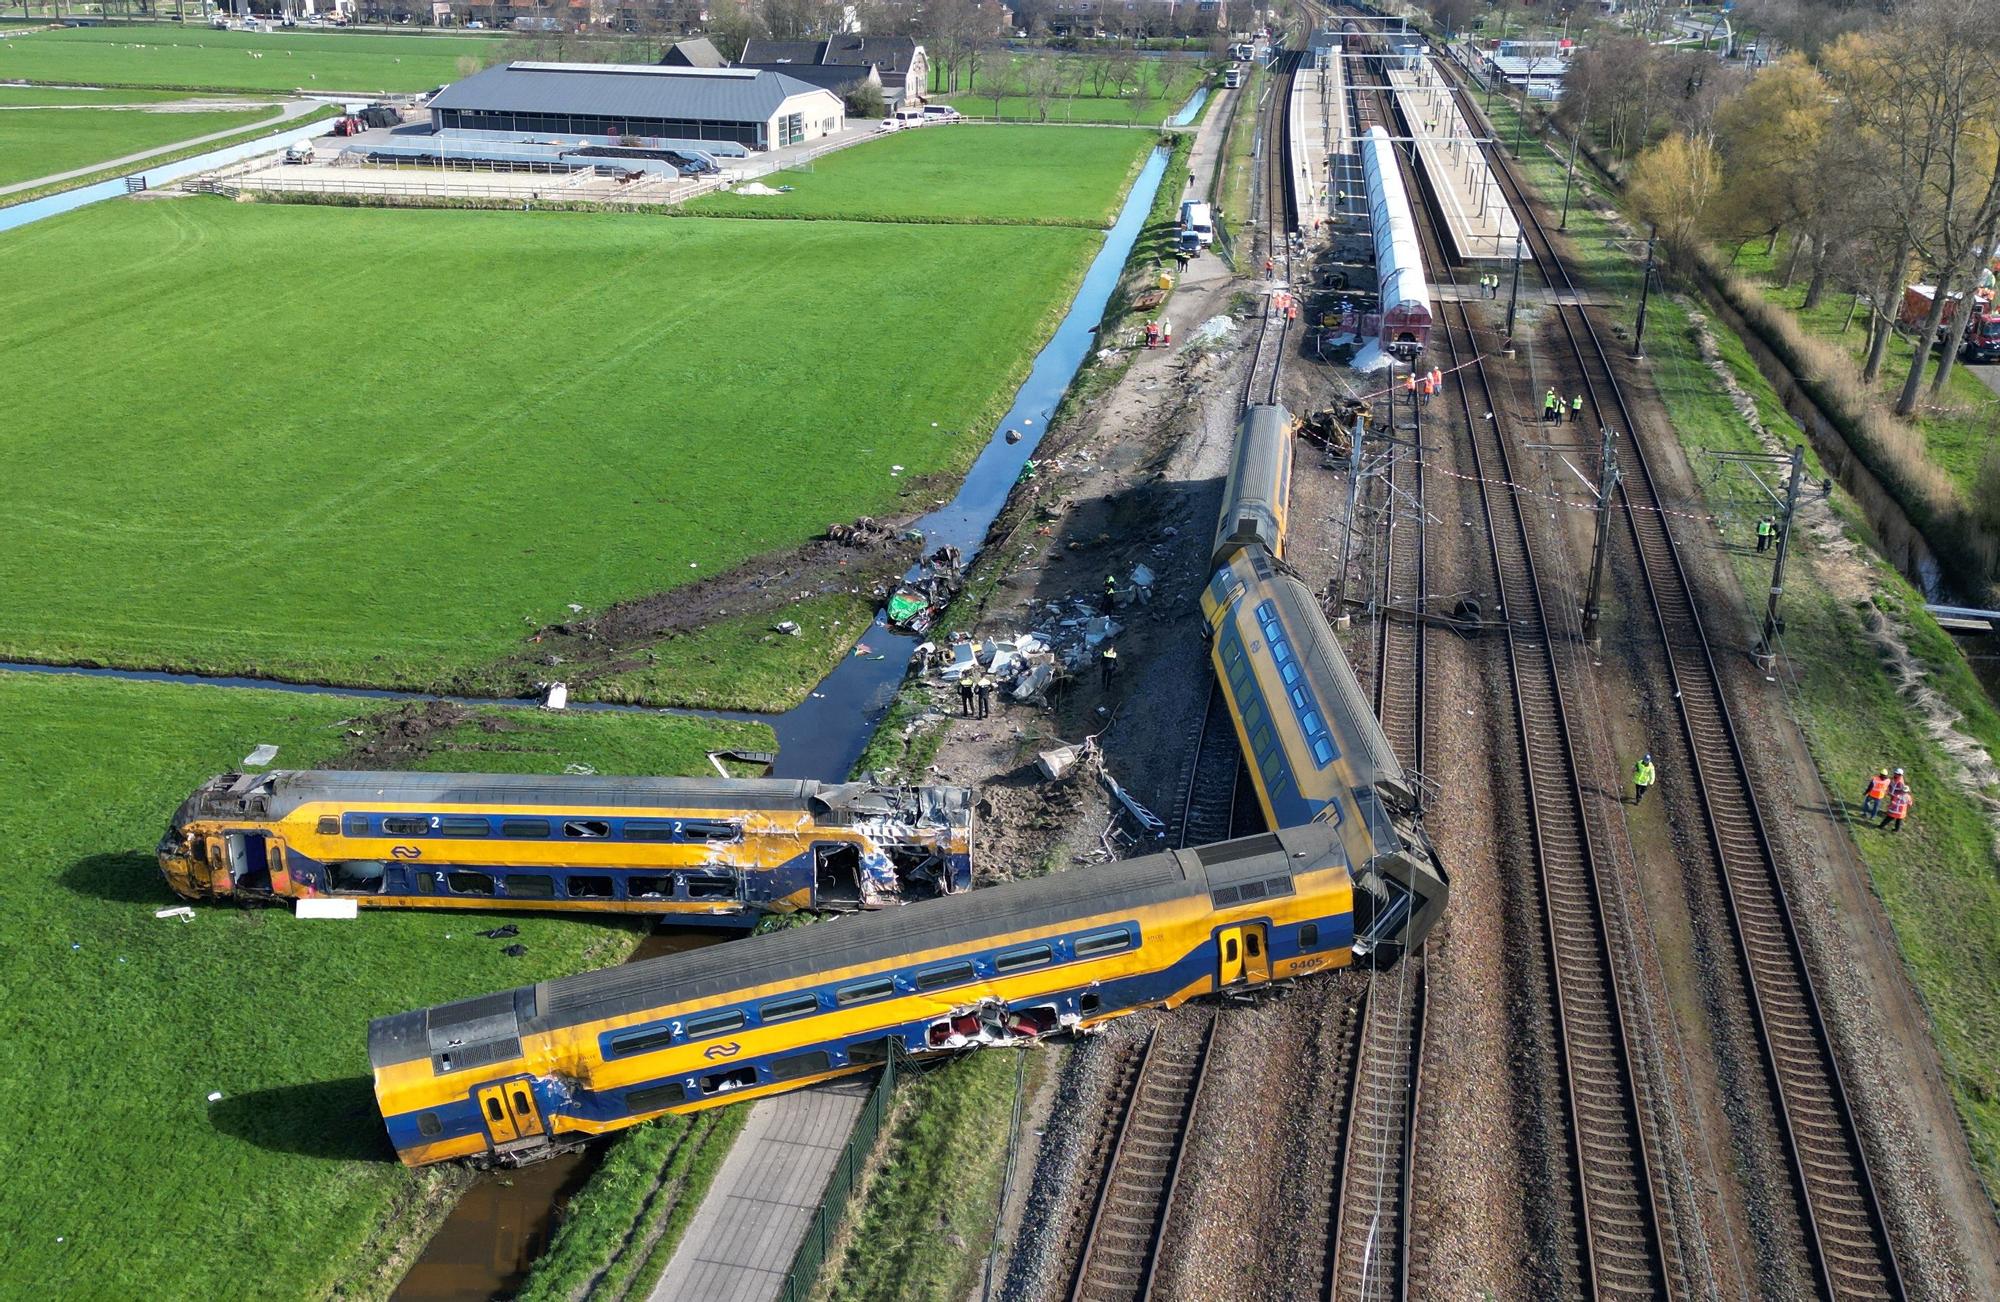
[1576, 410]
[1875, 793]
[1551, 408]
[1643, 777]
[1898, 810]
[1767, 529]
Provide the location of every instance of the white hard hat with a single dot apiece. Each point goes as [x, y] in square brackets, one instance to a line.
[1899, 773]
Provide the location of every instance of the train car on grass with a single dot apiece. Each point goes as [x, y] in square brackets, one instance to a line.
[517, 1076]
[690, 847]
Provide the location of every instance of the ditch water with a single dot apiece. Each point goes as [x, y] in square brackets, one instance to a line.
[21, 214]
[491, 1238]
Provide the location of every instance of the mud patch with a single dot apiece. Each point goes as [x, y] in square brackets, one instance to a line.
[405, 736]
[619, 639]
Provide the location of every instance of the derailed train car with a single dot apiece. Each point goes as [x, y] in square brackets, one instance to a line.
[690, 847]
[514, 1077]
[1315, 751]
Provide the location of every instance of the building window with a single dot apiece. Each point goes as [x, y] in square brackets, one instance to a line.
[791, 129]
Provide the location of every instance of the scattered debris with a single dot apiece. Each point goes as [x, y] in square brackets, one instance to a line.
[328, 910]
[865, 530]
[183, 912]
[258, 758]
[502, 933]
[788, 627]
[1013, 435]
[759, 189]
[580, 770]
[557, 696]
[1214, 330]
[1055, 763]
[515, 951]
[214, 1096]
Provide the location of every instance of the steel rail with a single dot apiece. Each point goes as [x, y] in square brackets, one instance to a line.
[1617, 1212]
[1121, 1247]
[1839, 1207]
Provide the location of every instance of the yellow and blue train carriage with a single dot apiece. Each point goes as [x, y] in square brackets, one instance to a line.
[695, 848]
[513, 1077]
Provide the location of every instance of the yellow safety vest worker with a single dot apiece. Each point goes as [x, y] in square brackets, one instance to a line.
[1642, 774]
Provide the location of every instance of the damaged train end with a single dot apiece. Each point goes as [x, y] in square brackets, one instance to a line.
[516, 1076]
[718, 849]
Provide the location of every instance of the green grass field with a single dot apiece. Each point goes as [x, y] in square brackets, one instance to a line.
[13, 96]
[204, 59]
[380, 447]
[38, 142]
[959, 174]
[1152, 91]
[127, 1181]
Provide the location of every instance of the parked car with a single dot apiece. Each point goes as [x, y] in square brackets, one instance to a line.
[302, 152]
[942, 113]
[475, 25]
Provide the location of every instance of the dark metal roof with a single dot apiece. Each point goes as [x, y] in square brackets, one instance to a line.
[834, 78]
[892, 54]
[696, 52]
[625, 90]
[892, 936]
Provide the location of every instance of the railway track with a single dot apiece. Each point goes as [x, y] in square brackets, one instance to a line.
[1208, 809]
[1368, 1246]
[1840, 1213]
[1121, 1245]
[1267, 361]
[1619, 1244]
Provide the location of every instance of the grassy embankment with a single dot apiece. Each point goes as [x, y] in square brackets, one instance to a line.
[121, 1025]
[405, 522]
[1937, 879]
[920, 1224]
[983, 174]
[201, 58]
[171, 156]
[53, 96]
[1956, 430]
[1155, 92]
[43, 142]
[618, 1234]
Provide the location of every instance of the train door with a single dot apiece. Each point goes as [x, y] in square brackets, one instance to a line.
[1243, 956]
[249, 861]
[509, 1111]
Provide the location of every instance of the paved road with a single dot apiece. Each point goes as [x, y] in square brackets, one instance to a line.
[292, 110]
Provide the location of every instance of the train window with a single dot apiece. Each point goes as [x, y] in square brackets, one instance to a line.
[706, 887]
[405, 825]
[586, 829]
[1313, 723]
[1279, 651]
[354, 825]
[1270, 764]
[524, 829]
[1020, 960]
[1260, 739]
[644, 1041]
[531, 886]
[1300, 701]
[589, 888]
[709, 829]
[1103, 942]
[868, 1053]
[1289, 671]
[1309, 935]
[364, 875]
[1088, 1004]
[649, 888]
[721, 1082]
[1322, 751]
[861, 991]
[655, 1097]
[937, 978]
[428, 1125]
[329, 826]
[648, 829]
[464, 825]
[790, 1006]
[469, 883]
[1253, 712]
[727, 1019]
[801, 1064]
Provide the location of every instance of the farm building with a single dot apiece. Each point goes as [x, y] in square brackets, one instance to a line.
[603, 103]
[897, 62]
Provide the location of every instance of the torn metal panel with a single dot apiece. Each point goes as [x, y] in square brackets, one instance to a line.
[994, 1022]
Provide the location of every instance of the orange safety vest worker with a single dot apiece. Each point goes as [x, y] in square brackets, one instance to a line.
[1429, 388]
[1899, 808]
[1437, 378]
[1878, 787]
[1410, 382]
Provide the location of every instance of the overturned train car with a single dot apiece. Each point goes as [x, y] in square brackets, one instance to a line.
[690, 847]
[1315, 750]
[516, 1076]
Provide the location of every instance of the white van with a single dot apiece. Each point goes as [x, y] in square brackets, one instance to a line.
[1232, 79]
[1196, 217]
[904, 117]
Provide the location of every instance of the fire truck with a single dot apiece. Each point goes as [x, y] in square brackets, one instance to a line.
[1982, 332]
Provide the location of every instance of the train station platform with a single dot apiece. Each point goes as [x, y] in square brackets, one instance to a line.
[739, 1246]
[1317, 122]
[1478, 221]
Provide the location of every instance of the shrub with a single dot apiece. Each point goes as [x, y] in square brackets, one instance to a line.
[864, 100]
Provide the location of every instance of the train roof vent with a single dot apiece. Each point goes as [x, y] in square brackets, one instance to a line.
[1249, 849]
[1242, 872]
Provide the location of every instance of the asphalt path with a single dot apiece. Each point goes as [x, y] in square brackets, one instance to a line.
[291, 110]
